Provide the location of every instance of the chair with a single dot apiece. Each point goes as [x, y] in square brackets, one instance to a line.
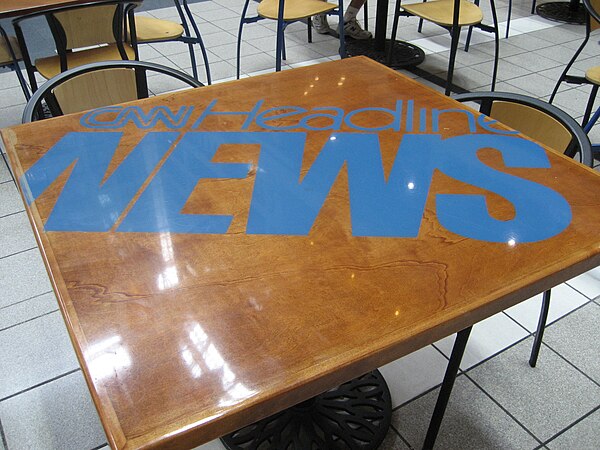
[546, 124]
[452, 15]
[83, 34]
[286, 12]
[10, 55]
[592, 76]
[95, 85]
[150, 30]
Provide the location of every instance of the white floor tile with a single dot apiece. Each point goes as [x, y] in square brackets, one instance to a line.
[487, 338]
[63, 412]
[15, 234]
[588, 283]
[34, 352]
[23, 311]
[22, 276]
[414, 374]
[563, 300]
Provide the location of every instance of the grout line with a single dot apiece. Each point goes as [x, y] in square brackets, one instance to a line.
[29, 320]
[573, 287]
[585, 416]
[18, 253]
[25, 300]
[572, 365]
[529, 333]
[402, 438]
[12, 213]
[99, 446]
[508, 413]
[58, 377]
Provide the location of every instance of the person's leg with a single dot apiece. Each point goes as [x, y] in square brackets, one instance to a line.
[351, 26]
[320, 23]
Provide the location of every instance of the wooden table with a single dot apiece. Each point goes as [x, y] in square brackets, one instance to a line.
[246, 254]
[16, 8]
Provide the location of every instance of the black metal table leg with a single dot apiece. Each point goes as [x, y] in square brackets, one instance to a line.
[451, 371]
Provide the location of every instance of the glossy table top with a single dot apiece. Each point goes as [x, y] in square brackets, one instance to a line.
[15, 8]
[222, 253]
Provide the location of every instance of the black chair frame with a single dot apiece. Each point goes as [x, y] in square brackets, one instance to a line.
[455, 36]
[187, 20]
[591, 13]
[281, 26]
[125, 9]
[15, 64]
[34, 110]
[580, 144]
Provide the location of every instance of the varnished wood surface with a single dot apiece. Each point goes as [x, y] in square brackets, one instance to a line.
[185, 337]
[442, 12]
[15, 8]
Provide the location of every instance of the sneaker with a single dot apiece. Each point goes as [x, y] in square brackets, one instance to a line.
[319, 22]
[353, 29]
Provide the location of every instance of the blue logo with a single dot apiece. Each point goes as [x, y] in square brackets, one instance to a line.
[284, 200]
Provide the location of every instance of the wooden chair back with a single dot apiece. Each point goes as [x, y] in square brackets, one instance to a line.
[593, 7]
[96, 85]
[536, 119]
[96, 89]
[534, 123]
[83, 27]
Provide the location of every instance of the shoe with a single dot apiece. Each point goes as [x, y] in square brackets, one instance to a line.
[319, 22]
[353, 29]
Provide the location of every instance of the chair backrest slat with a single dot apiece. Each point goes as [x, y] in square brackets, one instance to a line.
[96, 89]
[593, 7]
[88, 26]
[96, 85]
[536, 119]
[533, 123]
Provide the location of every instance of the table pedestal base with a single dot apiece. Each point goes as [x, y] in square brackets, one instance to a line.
[355, 415]
[561, 12]
[403, 53]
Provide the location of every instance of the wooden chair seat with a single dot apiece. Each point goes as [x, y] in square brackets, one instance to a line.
[294, 9]
[593, 75]
[150, 29]
[5, 57]
[50, 66]
[441, 12]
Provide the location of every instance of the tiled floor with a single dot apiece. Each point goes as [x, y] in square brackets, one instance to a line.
[498, 401]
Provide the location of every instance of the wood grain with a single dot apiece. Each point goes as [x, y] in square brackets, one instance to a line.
[252, 324]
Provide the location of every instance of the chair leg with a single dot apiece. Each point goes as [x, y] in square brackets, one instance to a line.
[537, 343]
[468, 41]
[458, 350]
[455, 33]
[590, 123]
[279, 48]
[8, 167]
[198, 40]
[193, 61]
[309, 30]
[239, 41]
[496, 45]
[533, 7]
[341, 36]
[365, 16]
[508, 18]
[563, 75]
[589, 106]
